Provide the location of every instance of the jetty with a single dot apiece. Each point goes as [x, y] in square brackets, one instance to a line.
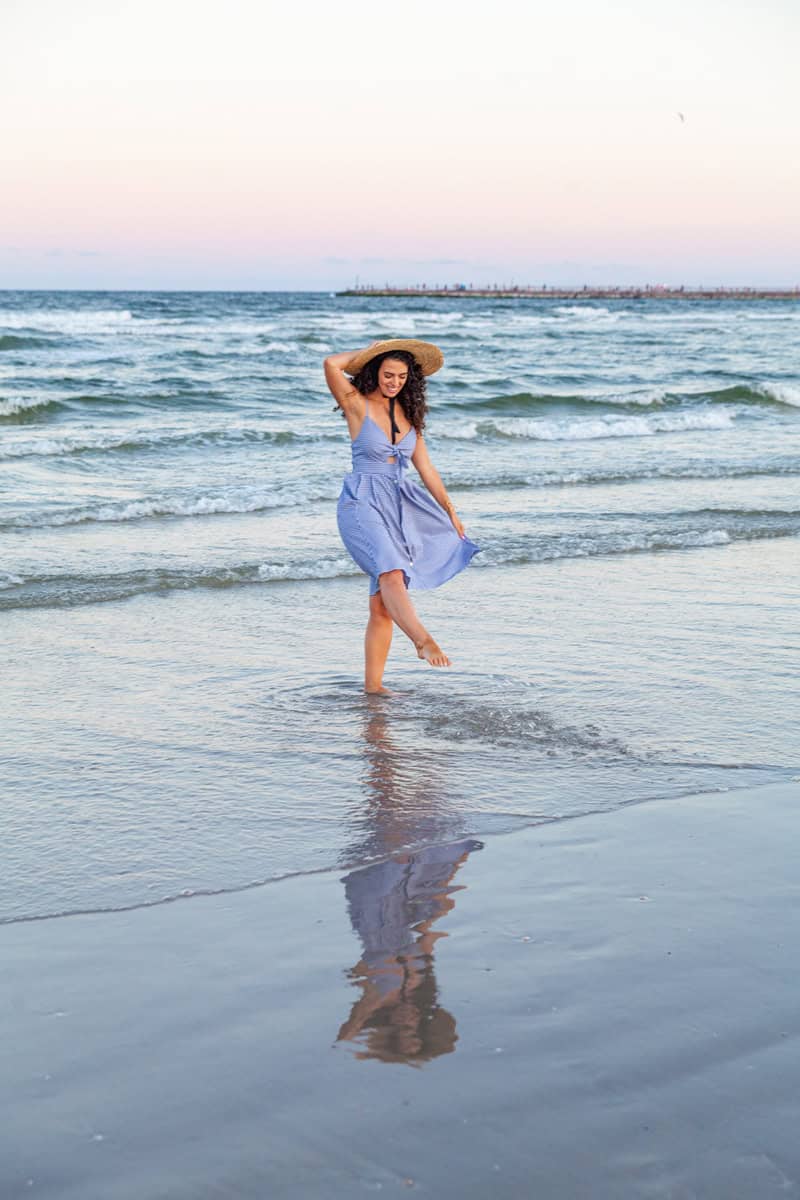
[586, 292]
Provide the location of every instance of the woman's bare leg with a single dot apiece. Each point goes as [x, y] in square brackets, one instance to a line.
[397, 603]
[377, 641]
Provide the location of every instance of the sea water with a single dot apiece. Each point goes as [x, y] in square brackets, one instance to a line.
[182, 628]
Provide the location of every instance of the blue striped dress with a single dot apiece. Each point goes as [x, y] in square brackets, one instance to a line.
[389, 523]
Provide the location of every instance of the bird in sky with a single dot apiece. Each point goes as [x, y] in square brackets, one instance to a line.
[682, 117]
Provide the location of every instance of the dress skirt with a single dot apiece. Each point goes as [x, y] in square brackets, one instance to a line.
[389, 523]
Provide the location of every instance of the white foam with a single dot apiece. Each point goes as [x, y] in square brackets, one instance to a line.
[587, 312]
[616, 427]
[633, 543]
[204, 329]
[466, 431]
[442, 318]
[8, 581]
[137, 438]
[772, 316]
[531, 320]
[240, 501]
[784, 393]
[324, 568]
[398, 323]
[693, 316]
[22, 404]
[98, 320]
[47, 446]
[591, 428]
[644, 399]
[675, 541]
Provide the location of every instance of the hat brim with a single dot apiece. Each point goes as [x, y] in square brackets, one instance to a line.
[428, 356]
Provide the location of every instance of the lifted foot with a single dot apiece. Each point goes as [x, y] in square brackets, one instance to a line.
[432, 653]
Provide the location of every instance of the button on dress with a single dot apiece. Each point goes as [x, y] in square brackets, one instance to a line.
[389, 523]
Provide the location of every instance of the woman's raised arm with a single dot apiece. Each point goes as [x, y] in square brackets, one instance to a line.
[340, 385]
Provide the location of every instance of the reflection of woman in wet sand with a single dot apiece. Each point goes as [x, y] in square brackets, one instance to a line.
[394, 904]
[392, 907]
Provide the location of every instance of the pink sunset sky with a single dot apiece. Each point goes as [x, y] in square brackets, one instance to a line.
[253, 145]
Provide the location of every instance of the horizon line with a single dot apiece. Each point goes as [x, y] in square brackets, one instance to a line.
[418, 290]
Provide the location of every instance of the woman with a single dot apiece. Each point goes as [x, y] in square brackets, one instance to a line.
[400, 535]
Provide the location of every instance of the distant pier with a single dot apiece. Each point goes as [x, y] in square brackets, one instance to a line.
[456, 291]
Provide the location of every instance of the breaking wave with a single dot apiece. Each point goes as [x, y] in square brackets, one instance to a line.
[72, 589]
[590, 428]
[142, 439]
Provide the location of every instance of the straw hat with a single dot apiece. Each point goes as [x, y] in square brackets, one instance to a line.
[428, 356]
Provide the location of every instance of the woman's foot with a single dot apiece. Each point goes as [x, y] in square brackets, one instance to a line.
[432, 653]
[378, 691]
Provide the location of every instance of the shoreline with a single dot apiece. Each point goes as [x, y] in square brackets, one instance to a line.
[595, 1008]
[583, 293]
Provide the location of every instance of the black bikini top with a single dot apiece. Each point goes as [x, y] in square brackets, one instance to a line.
[392, 423]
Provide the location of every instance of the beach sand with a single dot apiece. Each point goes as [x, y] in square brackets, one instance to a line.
[596, 1008]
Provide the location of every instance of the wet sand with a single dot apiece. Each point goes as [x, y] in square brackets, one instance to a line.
[596, 1009]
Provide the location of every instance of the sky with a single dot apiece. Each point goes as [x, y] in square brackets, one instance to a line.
[255, 145]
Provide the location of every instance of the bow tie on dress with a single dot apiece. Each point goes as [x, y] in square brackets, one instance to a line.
[402, 457]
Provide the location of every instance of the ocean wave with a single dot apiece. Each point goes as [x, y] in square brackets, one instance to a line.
[781, 393]
[237, 353]
[583, 429]
[21, 405]
[587, 312]
[691, 314]
[239, 500]
[690, 530]
[572, 546]
[325, 568]
[137, 440]
[98, 320]
[760, 395]
[70, 590]
[244, 500]
[674, 541]
[567, 546]
[396, 325]
[757, 394]
[280, 347]
[381, 319]
[469, 480]
[110, 320]
[517, 401]
[772, 316]
[12, 341]
[179, 327]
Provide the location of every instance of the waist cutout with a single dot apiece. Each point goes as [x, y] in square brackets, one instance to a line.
[374, 466]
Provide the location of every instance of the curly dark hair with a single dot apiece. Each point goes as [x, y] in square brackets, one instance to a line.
[412, 398]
